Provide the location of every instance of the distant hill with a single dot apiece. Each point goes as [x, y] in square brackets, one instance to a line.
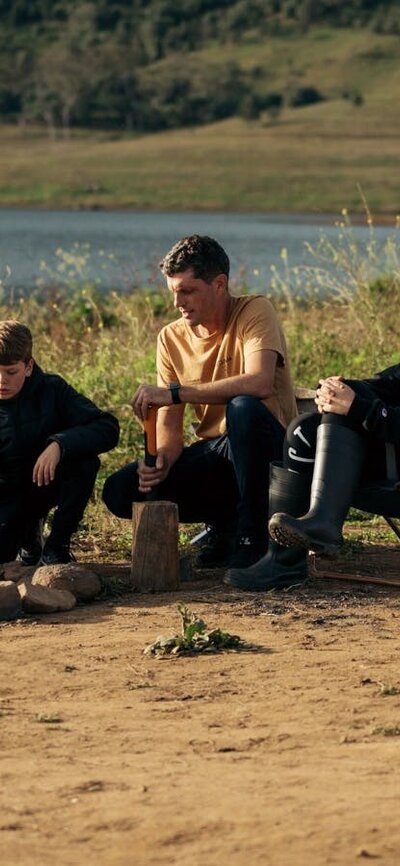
[152, 65]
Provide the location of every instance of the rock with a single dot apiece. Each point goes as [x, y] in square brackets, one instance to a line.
[10, 600]
[41, 599]
[80, 581]
[16, 571]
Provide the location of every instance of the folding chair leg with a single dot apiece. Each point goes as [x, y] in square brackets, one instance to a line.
[393, 525]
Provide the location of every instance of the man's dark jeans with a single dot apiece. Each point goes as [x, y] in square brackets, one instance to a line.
[69, 492]
[221, 481]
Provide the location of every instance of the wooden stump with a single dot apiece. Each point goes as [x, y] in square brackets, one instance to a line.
[155, 562]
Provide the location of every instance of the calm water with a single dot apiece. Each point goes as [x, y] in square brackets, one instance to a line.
[123, 248]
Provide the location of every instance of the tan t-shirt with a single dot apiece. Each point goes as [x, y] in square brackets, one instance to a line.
[190, 360]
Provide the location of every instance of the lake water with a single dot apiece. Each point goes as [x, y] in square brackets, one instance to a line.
[121, 249]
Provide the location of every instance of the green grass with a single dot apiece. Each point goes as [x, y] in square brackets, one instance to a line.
[313, 159]
[105, 346]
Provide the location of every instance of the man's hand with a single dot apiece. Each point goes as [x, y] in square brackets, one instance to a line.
[149, 395]
[44, 469]
[151, 476]
[334, 396]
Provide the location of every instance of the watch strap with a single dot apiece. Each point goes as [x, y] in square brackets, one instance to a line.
[174, 388]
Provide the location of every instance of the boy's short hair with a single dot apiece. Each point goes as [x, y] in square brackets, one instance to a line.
[15, 342]
[199, 252]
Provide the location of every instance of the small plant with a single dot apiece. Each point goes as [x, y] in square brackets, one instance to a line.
[386, 689]
[194, 638]
[48, 719]
[387, 730]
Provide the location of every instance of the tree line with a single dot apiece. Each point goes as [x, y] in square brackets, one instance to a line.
[129, 64]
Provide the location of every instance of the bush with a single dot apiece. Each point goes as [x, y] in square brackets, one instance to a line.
[249, 108]
[354, 96]
[305, 96]
[199, 93]
[272, 103]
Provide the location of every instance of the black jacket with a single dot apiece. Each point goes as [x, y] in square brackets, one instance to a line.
[47, 409]
[377, 405]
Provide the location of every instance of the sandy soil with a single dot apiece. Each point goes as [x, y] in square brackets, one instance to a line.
[285, 754]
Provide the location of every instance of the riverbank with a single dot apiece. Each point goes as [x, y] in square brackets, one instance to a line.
[313, 160]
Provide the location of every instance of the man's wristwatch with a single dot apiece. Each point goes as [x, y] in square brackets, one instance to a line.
[174, 388]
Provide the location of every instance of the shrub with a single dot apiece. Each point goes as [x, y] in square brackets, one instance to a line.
[305, 96]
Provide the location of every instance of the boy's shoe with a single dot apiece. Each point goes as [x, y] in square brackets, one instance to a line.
[248, 551]
[32, 543]
[216, 550]
[29, 555]
[56, 554]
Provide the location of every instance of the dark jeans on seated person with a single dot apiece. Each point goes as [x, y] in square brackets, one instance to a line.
[69, 493]
[221, 481]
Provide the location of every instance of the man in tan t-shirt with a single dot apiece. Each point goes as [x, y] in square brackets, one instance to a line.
[227, 358]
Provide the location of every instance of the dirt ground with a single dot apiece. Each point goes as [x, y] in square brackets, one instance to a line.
[287, 753]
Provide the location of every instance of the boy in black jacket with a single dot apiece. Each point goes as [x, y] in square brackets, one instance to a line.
[50, 436]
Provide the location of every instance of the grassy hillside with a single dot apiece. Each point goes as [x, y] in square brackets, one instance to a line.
[313, 158]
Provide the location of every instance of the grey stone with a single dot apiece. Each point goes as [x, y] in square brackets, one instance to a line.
[73, 577]
[10, 600]
[16, 571]
[41, 599]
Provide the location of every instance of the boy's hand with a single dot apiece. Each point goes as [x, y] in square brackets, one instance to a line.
[44, 469]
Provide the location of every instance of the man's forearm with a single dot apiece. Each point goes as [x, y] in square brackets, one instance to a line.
[247, 384]
[256, 381]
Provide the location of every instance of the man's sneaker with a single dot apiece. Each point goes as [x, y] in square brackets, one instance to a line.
[248, 551]
[56, 554]
[217, 549]
[31, 544]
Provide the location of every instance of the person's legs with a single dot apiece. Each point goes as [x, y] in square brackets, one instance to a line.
[339, 462]
[69, 493]
[254, 439]
[201, 482]
[31, 541]
[10, 528]
[301, 443]
[281, 566]
[222, 482]
[289, 491]
[121, 490]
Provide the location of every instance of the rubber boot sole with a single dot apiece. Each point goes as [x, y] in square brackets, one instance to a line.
[287, 535]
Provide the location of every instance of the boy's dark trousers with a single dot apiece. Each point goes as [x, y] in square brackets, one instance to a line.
[22, 507]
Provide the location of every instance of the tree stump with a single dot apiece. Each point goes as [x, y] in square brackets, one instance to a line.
[155, 561]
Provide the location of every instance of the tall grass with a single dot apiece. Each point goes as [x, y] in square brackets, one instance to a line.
[341, 314]
[104, 345]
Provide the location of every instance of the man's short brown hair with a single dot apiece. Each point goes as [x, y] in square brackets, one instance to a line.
[204, 255]
[15, 342]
